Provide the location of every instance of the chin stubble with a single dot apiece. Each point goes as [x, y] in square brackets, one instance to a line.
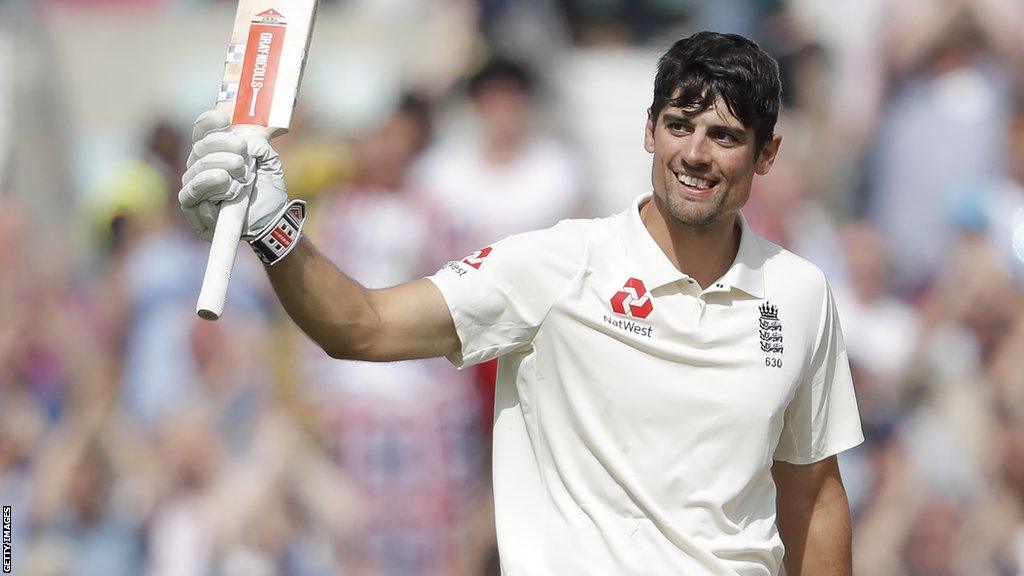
[699, 220]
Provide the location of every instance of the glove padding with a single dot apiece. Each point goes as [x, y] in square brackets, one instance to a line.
[222, 164]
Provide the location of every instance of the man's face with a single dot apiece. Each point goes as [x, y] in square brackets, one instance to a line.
[704, 162]
[504, 108]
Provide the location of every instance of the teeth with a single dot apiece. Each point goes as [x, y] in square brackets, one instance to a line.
[694, 182]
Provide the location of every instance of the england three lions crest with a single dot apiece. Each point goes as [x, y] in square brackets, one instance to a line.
[769, 329]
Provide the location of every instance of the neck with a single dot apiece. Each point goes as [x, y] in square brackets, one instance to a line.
[705, 254]
[499, 155]
[501, 149]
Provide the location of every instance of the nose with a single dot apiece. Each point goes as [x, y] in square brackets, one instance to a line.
[697, 151]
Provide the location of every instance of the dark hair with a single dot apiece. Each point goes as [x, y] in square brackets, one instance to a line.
[418, 108]
[501, 70]
[710, 64]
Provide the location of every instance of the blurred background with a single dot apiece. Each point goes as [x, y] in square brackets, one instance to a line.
[136, 439]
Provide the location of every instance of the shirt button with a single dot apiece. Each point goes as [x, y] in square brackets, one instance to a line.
[718, 285]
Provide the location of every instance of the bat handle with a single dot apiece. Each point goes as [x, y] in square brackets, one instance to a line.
[226, 236]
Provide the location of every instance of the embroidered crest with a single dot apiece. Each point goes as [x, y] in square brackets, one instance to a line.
[770, 329]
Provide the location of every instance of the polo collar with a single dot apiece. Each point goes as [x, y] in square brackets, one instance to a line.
[746, 272]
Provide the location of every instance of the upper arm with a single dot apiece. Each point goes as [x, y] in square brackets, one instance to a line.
[800, 486]
[472, 310]
[813, 518]
[413, 321]
[351, 322]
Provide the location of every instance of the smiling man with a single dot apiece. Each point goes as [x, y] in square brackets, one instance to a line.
[672, 389]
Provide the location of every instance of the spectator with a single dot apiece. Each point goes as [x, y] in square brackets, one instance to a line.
[405, 432]
[91, 494]
[949, 74]
[994, 206]
[503, 178]
[160, 268]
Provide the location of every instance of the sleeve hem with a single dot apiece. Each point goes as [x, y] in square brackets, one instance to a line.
[456, 358]
[824, 453]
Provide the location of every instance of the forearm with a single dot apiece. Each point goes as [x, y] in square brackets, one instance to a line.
[331, 308]
[818, 540]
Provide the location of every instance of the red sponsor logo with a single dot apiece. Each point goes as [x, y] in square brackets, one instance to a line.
[633, 300]
[259, 74]
[281, 236]
[477, 258]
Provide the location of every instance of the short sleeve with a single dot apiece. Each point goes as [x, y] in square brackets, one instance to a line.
[499, 295]
[822, 418]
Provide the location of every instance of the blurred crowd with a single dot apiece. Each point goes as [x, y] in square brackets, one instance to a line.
[136, 439]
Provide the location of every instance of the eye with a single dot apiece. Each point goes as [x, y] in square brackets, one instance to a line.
[724, 137]
[677, 127]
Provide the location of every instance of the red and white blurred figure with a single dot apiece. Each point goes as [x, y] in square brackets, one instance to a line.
[405, 432]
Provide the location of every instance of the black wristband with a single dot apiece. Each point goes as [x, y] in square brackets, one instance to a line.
[278, 238]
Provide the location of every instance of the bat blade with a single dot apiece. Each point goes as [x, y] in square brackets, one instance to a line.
[262, 73]
[265, 60]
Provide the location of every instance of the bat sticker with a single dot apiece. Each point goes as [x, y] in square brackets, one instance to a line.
[259, 68]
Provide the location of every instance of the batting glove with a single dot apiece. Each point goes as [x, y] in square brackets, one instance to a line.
[222, 165]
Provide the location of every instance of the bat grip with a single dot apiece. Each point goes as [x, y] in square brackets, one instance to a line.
[226, 236]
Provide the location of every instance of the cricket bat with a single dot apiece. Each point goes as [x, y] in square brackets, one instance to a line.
[262, 72]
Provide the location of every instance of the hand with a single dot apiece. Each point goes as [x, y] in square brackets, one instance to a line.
[222, 163]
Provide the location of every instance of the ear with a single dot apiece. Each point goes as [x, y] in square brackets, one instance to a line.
[649, 133]
[767, 156]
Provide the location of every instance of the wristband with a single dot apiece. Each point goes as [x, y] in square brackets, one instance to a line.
[278, 238]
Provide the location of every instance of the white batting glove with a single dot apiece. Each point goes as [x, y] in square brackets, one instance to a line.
[221, 165]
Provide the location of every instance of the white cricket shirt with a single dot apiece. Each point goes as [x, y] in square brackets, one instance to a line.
[541, 185]
[637, 416]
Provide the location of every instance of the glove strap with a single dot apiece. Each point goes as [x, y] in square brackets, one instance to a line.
[278, 237]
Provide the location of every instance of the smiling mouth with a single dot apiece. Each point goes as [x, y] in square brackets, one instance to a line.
[694, 183]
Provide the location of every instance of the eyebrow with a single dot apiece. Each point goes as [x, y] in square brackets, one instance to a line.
[736, 132]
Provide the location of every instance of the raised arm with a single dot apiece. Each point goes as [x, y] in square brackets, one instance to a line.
[347, 320]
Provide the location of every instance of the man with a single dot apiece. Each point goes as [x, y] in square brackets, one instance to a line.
[501, 176]
[672, 389]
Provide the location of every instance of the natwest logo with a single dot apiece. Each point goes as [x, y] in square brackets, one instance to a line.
[633, 300]
[477, 258]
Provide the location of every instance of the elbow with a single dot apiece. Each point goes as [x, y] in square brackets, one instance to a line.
[346, 351]
[355, 337]
[361, 354]
[334, 351]
[354, 347]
